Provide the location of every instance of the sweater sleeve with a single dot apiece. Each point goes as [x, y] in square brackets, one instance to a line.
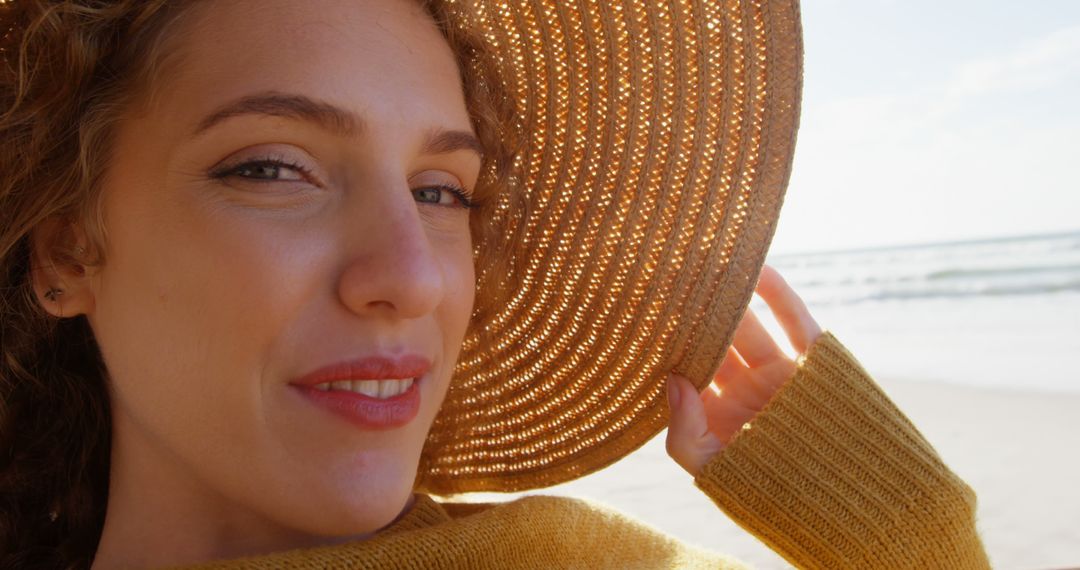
[830, 474]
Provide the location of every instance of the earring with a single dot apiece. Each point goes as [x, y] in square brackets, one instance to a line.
[52, 293]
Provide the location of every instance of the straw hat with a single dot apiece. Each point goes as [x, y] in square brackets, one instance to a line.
[660, 140]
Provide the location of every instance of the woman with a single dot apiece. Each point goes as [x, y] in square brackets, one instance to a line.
[247, 245]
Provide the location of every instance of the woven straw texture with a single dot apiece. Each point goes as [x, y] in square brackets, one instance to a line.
[660, 140]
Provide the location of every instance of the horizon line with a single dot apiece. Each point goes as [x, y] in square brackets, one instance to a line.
[965, 241]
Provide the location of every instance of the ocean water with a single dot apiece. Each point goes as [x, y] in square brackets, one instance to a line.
[1004, 267]
[1001, 313]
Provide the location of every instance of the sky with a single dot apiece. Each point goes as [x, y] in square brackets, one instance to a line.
[927, 121]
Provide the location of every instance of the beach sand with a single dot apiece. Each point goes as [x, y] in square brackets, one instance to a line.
[1016, 449]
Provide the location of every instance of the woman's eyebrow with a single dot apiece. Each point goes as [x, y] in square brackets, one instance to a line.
[329, 117]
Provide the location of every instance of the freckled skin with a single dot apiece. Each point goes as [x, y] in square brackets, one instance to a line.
[218, 291]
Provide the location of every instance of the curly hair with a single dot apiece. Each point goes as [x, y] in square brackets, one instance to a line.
[68, 70]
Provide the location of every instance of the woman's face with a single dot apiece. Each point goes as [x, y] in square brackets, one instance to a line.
[283, 205]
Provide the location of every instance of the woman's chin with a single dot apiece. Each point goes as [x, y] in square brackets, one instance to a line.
[354, 515]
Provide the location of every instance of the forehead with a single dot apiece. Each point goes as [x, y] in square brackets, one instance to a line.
[381, 59]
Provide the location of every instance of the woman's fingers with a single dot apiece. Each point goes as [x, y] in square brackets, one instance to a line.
[755, 345]
[753, 370]
[791, 313]
[689, 442]
[739, 382]
[730, 368]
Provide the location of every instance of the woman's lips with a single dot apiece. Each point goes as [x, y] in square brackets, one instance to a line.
[363, 411]
[377, 367]
[366, 412]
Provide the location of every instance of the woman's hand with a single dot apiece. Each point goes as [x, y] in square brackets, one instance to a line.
[754, 368]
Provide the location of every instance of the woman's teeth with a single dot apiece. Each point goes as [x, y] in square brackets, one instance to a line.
[371, 388]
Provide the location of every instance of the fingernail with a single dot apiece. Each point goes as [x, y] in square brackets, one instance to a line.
[672, 392]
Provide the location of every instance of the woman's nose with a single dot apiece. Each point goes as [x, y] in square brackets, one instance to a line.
[391, 269]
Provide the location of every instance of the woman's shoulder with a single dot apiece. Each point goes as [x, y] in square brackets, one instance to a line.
[540, 530]
[534, 531]
[534, 514]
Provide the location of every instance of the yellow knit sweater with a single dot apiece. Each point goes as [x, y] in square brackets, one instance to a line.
[829, 475]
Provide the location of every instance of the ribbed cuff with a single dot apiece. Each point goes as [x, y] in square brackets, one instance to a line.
[830, 474]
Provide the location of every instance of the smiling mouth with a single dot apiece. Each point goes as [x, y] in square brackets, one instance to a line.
[380, 389]
[372, 405]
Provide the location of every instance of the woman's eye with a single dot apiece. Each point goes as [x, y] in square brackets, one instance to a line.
[443, 195]
[265, 170]
[268, 170]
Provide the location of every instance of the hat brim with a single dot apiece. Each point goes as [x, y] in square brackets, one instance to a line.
[660, 142]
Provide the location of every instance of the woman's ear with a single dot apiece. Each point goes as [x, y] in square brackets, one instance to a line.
[61, 282]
